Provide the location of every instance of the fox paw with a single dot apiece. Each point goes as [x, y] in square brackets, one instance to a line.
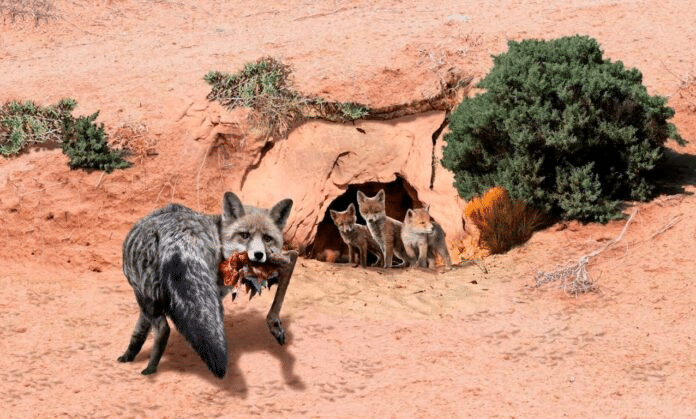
[276, 328]
[126, 357]
[149, 370]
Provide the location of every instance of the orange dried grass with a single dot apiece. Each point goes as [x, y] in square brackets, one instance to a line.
[468, 248]
[501, 222]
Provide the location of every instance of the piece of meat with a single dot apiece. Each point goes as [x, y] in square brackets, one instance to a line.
[239, 270]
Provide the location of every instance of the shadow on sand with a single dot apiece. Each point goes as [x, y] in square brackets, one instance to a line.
[678, 171]
[246, 332]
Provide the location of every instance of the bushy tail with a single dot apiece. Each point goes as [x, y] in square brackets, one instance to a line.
[196, 310]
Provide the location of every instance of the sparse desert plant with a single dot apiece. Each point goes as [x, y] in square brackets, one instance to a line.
[131, 139]
[23, 124]
[26, 123]
[502, 223]
[27, 9]
[562, 129]
[265, 86]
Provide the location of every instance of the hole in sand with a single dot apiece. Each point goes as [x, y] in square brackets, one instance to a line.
[328, 245]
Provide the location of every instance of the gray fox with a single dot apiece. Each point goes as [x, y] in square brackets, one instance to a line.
[385, 230]
[356, 235]
[424, 238]
[171, 257]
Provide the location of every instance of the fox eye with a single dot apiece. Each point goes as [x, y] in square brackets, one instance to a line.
[244, 235]
[267, 238]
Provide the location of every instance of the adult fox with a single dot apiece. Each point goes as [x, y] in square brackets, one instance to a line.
[171, 259]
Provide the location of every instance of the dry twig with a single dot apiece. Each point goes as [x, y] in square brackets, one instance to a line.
[574, 278]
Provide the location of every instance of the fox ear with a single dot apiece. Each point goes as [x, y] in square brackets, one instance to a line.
[280, 212]
[409, 214]
[232, 207]
[361, 197]
[427, 208]
[333, 214]
[380, 195]
[351, 209]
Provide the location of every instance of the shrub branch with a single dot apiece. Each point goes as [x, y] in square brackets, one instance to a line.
[574, 278]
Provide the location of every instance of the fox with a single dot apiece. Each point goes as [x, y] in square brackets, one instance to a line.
[171, 258]
[385, 230]
[356, 235]
[424, 239]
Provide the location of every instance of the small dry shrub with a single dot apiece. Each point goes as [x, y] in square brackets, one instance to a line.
[502, 222]
[132, 139]
[467, 248]
[27, 9]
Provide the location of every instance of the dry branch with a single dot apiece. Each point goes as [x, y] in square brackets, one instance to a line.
[574, 278]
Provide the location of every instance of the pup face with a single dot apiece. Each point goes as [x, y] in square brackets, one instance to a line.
[344, 220]
[372, 208]
[419, 220]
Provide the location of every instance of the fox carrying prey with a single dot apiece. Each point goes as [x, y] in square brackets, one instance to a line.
[171, 259]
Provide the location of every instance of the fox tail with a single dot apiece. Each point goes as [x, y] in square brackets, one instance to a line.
[196, 310]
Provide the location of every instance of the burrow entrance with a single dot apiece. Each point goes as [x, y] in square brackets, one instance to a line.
[328, 245]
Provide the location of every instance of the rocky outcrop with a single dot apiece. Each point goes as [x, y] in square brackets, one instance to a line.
[321, 165]
[320, 161]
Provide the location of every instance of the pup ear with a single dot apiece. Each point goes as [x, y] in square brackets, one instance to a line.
[380, 195]
[334, 214]
[409, 214]
[280, 212]
[351, 209]
[427, 208]
[232, 207]
[361, 197]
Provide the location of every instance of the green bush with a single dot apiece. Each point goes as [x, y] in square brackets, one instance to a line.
[84, 142]
[561, 128]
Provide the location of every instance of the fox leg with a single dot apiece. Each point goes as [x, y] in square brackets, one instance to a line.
[273, 317]
[445, 255]
[142, 329]
[161, 337]
[363, 255]
[388, 251]
[350, 254]
[410, 252]
[422, 253]
[379, 258]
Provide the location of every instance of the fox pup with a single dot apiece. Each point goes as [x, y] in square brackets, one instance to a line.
[424, 238]
[385, 230]
[355, 235]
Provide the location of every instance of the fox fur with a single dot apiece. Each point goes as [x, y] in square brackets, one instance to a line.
[171, 258]
[385, 230]
[356, 236]
[424, 239]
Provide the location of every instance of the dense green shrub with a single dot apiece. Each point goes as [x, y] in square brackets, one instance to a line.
[84, 142]
[561, 128]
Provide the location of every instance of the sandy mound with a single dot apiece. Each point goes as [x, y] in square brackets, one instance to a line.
[478, 341]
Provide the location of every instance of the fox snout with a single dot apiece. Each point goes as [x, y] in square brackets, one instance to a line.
[257, 250]
[345, 228]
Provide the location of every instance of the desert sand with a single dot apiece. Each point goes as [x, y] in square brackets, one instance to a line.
[477, 341]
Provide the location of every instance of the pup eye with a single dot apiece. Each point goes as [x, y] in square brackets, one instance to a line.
[267, 238]
[244, 235]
